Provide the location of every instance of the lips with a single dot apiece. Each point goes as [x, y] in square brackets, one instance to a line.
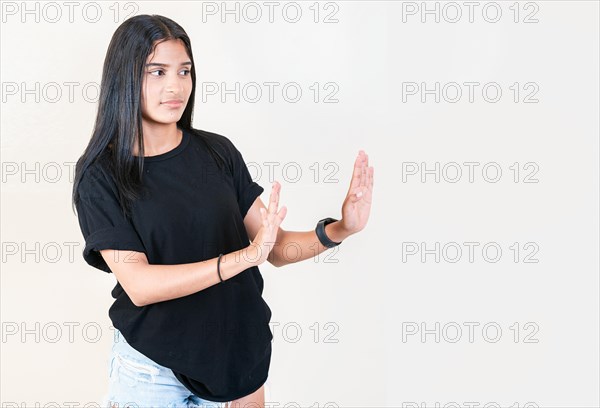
[173, 102]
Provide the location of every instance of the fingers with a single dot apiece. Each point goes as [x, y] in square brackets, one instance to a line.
[274, 197]
[355, 182]
[359, 173]
[362, 177]
[280, 216]
[264, 217]
[272, 217]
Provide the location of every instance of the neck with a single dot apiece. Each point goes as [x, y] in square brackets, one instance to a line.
[159, 138]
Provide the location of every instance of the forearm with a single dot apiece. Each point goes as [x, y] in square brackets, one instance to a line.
[296, 246]
[158, 283]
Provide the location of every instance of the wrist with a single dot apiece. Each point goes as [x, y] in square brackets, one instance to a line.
[250, 256]
[336, 232]
[236, 262]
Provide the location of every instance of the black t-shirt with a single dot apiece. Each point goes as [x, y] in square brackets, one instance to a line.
[216, 341]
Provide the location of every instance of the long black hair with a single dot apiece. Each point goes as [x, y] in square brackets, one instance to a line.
[118, 123]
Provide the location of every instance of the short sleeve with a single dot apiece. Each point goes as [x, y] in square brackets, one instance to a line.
[247, 189]
[102, 222]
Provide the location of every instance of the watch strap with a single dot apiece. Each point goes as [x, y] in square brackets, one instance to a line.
[320, 230]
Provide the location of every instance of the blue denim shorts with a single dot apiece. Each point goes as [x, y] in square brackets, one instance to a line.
[135, 381]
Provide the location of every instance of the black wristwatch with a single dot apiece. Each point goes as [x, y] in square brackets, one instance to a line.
[320, 230]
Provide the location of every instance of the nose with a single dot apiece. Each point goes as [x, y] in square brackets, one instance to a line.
[174, 85]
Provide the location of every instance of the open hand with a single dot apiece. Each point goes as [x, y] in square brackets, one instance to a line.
[357, 205]
[265, 238]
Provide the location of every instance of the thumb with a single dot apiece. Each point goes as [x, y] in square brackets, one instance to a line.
[282, 212]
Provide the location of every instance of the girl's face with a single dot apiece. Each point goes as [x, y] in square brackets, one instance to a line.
[167, 83]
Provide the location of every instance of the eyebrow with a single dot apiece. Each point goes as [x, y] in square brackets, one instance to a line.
[158, 64]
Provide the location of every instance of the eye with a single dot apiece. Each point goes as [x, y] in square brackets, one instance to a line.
[153, 72]
[187, 71]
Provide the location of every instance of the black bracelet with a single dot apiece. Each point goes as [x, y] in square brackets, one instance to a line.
[219, 267]
[320, 230]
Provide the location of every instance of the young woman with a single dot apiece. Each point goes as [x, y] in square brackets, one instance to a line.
[173, 213]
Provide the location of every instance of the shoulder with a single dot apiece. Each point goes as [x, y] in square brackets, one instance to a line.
[222, 145]
[215, 138]
[96, 180]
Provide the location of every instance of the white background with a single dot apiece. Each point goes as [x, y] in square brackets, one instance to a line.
[377, 291]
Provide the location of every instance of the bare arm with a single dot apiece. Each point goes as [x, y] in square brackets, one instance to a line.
[148, 283]
[296, 246]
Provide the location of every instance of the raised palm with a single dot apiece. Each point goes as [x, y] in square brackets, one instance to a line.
[357, 204]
